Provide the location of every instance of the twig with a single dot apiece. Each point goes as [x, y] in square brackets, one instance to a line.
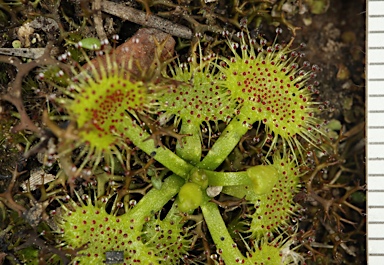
[98, 20]
[7, 198]
[342, 244]
[32, 53]
[144, 19]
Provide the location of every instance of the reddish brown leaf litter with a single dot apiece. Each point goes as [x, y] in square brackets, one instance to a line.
[139, 52]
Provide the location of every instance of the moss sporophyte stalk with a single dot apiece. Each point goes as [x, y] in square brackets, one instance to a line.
[116, 115]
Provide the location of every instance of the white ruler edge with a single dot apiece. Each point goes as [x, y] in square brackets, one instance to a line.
[375, 131]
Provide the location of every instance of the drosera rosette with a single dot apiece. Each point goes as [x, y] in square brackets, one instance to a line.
[197, 101]
[273, 201]
[272, 89]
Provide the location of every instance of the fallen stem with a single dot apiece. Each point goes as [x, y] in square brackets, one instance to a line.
[144, 19]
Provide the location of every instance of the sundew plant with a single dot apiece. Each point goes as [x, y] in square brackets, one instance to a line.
[209, 150]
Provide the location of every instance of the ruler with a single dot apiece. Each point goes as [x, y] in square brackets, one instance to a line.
[375, 131]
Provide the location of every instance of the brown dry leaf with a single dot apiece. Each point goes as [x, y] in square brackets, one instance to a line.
[138, 53]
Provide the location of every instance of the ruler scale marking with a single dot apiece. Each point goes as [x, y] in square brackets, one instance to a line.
[375, 131]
